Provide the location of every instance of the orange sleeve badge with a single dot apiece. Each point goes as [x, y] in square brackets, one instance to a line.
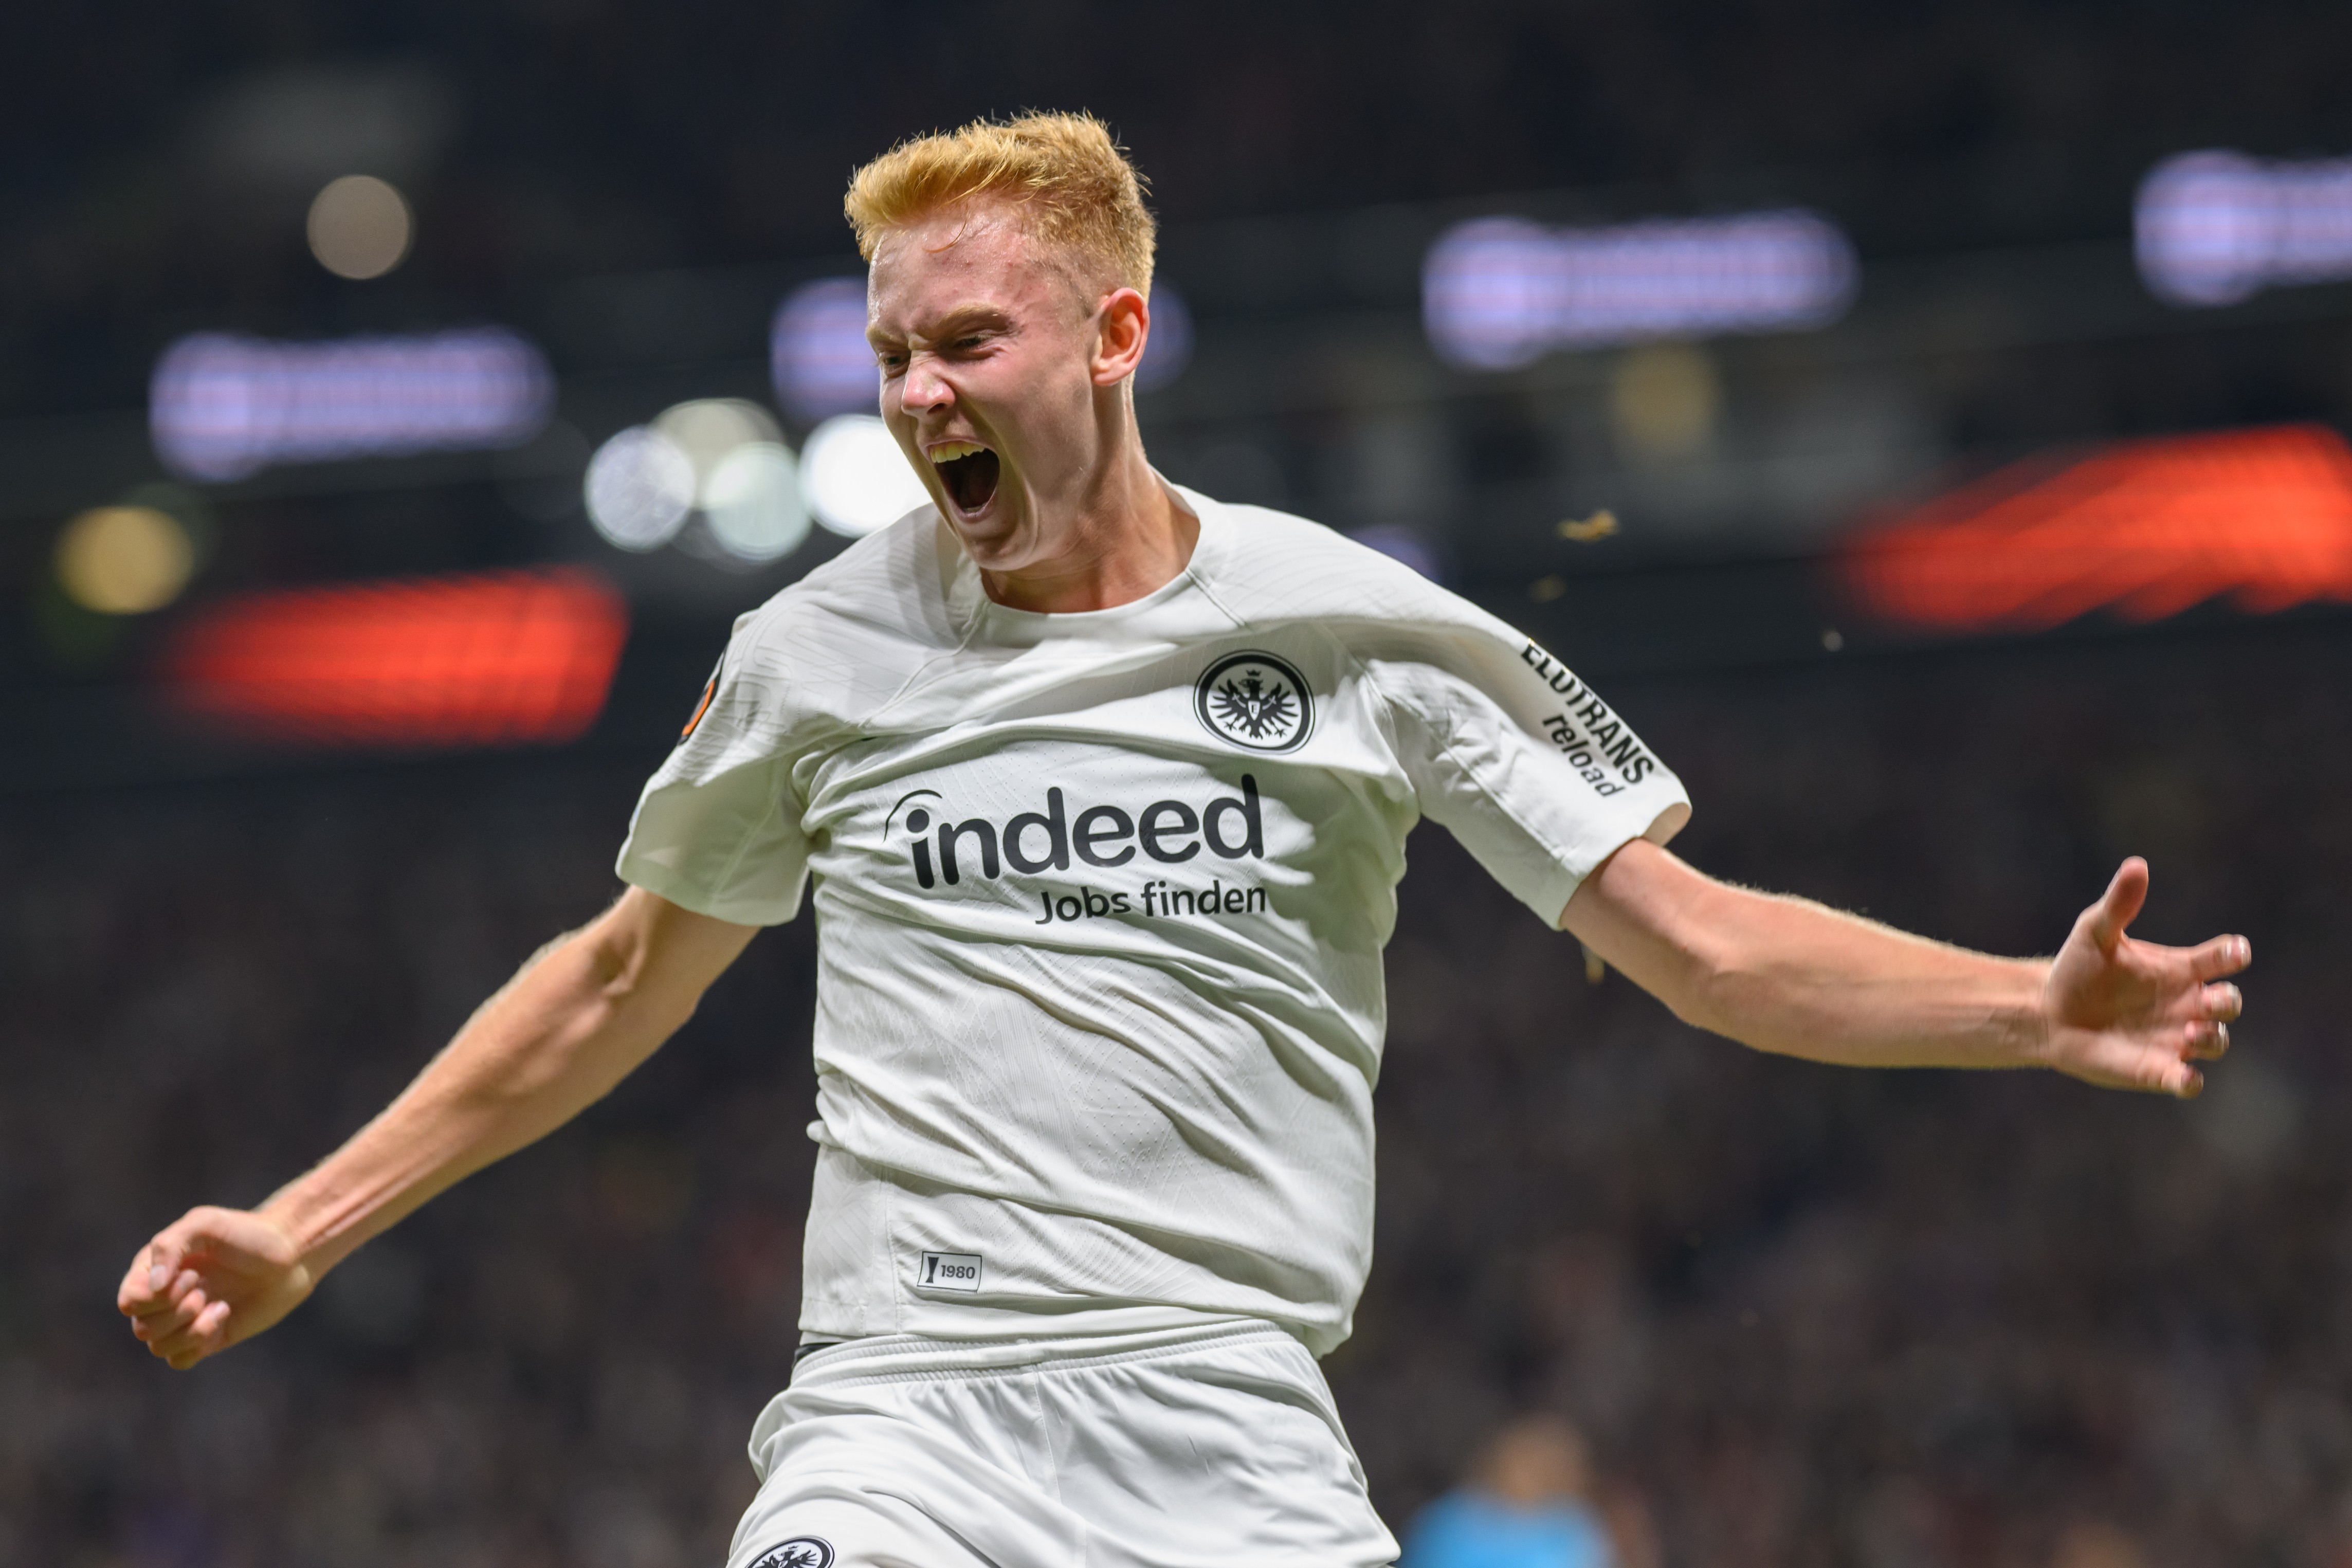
[709, 691]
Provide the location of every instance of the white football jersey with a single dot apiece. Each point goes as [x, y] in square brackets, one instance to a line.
[1101, 898]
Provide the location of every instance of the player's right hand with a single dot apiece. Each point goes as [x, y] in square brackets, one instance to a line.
[214, 1278]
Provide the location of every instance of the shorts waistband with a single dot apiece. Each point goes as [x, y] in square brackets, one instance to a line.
[902, 1358]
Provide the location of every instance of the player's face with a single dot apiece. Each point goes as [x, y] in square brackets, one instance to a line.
[1001, 372]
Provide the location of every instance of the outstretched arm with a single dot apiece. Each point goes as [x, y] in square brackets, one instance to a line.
[574, 1021]
[1790, 976]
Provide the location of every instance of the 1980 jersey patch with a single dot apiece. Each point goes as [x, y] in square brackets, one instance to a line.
[949, 1271]
[1256, 701]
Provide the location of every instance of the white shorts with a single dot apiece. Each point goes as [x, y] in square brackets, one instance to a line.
[1196, 1447]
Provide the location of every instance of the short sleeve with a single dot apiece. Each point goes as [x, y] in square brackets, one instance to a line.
[718, 830]
[1520, 760]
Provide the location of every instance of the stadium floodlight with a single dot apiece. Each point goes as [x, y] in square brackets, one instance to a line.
[855, 478]
[1501, 292]
[753, 504]
[223, 407]
[2216, 227]
[818, 350]
[639, 488]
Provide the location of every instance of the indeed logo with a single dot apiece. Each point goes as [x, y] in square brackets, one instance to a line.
[1167, 831]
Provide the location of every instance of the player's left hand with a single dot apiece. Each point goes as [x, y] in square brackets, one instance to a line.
[2128, 1014]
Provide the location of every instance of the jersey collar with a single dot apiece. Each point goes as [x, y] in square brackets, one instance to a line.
[969, 603]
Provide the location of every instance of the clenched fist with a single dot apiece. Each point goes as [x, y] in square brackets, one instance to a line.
[212, 1279]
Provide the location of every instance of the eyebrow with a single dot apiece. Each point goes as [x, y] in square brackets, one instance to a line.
[956, 323]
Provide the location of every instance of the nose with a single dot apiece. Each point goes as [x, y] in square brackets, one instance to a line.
[923, 388]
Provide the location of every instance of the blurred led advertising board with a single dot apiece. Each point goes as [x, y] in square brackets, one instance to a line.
[222, 407]
[2142, 528]
[1498, 293]
[2214, 228]
[468, 659]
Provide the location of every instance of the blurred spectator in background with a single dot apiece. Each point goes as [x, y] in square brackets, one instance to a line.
[1526, 1504]
[2097, 1545]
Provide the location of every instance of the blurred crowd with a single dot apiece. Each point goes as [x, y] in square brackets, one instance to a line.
[1798, 1315]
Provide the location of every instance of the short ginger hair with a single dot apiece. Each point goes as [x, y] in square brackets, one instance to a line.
[1070, 180]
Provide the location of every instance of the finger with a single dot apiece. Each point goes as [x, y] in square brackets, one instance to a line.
[2120, 905]
[2209, 1041]
[162, 1333]
[179, 1304]
[150, 1270]
[2222, 955]
[159, 1328]
[198, 1340]
[134, 1292]
[185, 1285]
[170, 1260]
[161, 1295]
[2149, 1068]
[2221, 1003]
[2161, 1073]
[2169, 1072]
[169, 1255]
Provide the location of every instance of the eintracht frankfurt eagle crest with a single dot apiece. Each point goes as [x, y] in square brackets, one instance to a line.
[1256, 701]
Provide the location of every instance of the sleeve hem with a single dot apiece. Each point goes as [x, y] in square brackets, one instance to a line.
[1550, 900]
[662, 883]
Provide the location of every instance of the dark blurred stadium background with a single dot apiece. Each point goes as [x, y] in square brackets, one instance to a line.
[2020, 538]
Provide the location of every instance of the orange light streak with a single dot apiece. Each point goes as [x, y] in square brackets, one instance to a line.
[476, 659]
[2145, 529]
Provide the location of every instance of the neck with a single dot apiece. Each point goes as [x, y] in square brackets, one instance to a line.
[1129, 539]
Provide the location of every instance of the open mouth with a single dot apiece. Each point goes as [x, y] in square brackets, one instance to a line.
[968, 471]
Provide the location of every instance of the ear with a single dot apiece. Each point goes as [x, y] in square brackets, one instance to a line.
[1124, 325]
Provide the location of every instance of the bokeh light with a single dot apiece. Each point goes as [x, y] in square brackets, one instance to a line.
[225, 407]
[2213, 228]
[124, 560]
[1170, 348]
[639, 488]
[1401, 543]
[1501, 292]
[818, 350]
[708, 428]
[360, 226]
[1663, 400]
[855, 478]
[753, 504]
